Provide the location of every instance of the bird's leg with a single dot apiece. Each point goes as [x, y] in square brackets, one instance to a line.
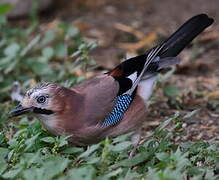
[135, 140]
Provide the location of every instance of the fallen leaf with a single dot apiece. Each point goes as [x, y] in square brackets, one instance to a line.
[129, 29]
[135, 46]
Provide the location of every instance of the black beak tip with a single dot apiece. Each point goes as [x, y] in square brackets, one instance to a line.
[18, 111]
[14, 111]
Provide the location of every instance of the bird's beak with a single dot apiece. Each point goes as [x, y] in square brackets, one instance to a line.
[20, 110]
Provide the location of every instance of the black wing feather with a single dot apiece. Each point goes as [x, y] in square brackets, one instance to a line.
[172, 47]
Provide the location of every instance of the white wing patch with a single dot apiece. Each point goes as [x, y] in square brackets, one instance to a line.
[133, 76]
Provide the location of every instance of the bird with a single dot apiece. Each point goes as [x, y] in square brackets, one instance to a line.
[112, 103]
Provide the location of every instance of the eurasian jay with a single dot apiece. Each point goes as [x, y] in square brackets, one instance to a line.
[113, 103]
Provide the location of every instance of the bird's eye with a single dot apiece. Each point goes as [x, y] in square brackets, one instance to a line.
[41, 99]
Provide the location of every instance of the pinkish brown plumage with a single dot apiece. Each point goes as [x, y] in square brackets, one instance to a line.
[111, 104]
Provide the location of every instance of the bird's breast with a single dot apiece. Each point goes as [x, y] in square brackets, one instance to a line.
[49, 122]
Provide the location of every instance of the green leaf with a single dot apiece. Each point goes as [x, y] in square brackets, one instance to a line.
[62, 140]
[72, 31]
[48, 52]
[167, 122]
[171, 91]
[5, 8]
[89, 151]
[83, 173]
[93, 160]
[2, 139]
[41, 68]
[114, 173]
[72, 150]
[48, 38]
[12, 50]
[32, 158]
[121, 146]
[163, 156]
[51, 167]
[132, 175]
[133, 161]
[122, 138]
[166, 174]
[3, 163]
[50, 140]
[3, 166]
[31, 141]
[61, 50]
[12, 173]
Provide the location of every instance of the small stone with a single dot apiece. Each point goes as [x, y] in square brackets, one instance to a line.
[184, 125]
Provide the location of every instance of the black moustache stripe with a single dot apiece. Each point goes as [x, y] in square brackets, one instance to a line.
[42, 111]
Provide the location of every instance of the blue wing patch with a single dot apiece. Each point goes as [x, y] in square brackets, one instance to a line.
[121, 105]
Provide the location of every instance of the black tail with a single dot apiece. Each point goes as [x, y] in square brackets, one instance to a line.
[185, 34]
[173, 45]
[170, 48]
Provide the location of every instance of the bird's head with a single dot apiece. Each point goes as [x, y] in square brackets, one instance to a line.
[42, 100]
